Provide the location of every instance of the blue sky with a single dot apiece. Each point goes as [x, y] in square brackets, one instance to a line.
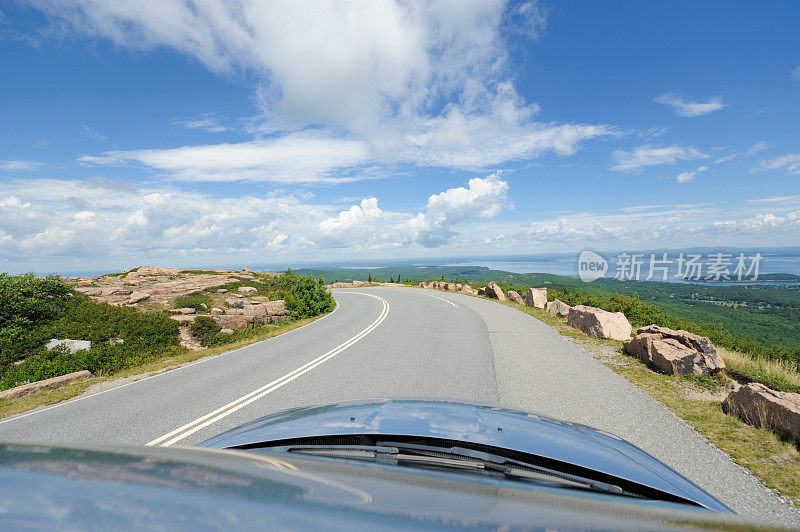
[245, 132]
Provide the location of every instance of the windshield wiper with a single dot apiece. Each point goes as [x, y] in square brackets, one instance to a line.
[457, 458]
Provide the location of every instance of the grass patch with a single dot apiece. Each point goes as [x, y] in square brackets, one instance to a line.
[196, 300]
[10, 407]
[777, 374]
[774, 459]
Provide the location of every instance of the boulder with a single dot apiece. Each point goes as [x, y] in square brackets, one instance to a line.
[217, 311]
[467, 289]
[184, 311]
[235, 322]
[222, 290]
[557, 308]
[276, 308]
[482, 291]
[450, 287]
[675, 352]
[137, 297]
[536, 297]
[764, 407]
[515, 297]
[226, 331]
[599, 323]
[72, 346]
[47, 384]
[494, 291]
[247, 289]
[121, 292]
[84, 283]
[458, 287]
[423, 285]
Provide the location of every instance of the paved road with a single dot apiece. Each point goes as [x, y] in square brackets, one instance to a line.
[400, 342]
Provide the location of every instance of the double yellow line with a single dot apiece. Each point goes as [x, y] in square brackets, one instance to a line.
[228, 409]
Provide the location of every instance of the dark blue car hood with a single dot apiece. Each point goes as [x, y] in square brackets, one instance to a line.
[524, 432]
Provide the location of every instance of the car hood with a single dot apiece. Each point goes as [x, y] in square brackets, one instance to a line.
[515, 430]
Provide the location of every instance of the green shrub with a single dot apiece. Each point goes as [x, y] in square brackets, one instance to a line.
[197, 300]
[204, 325]
[307, 297]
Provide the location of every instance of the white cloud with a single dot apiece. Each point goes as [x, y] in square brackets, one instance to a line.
[755, 148]
[646, 155]
[796, 73]
[94, 134]
[421, 82]
[687, 108]
[759, 146]
[207, 122]
[789, 162]
[15, 165]
[683, 177]
[762, 223]
[295, 158]
[367, 225]
[482, 199]
[529, 18]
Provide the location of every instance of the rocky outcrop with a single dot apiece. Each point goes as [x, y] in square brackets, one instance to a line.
[536, 297]
[138, 297]
[247, 289]
[515, 297]
[71, 346]
[599, 323]
[494, 291]
[47, 384]
[147, 271]
[763, 407]
[159, 286]
[557, 308]
[675, 352]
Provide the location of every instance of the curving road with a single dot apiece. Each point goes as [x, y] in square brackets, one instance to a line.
[399, 342]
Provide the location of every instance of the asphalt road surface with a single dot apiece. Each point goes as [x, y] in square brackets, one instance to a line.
[399, 342]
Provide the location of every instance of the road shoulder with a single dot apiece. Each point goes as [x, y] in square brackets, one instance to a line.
[539, 369]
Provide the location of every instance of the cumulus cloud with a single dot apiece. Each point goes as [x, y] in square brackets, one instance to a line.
[683, 177]
[688, 109]
[789, 162]
[40, 220]
[420, 82]
[646, 155]
[48, 218]
[366, 224]
[483, 198]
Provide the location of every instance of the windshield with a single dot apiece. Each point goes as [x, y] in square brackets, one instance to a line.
[570, 230]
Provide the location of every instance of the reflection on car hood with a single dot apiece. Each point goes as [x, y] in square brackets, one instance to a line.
[519, 431]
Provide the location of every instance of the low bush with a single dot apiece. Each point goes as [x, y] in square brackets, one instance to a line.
[205, 329]
[198, 301]
[308, 297]
[38, 309]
